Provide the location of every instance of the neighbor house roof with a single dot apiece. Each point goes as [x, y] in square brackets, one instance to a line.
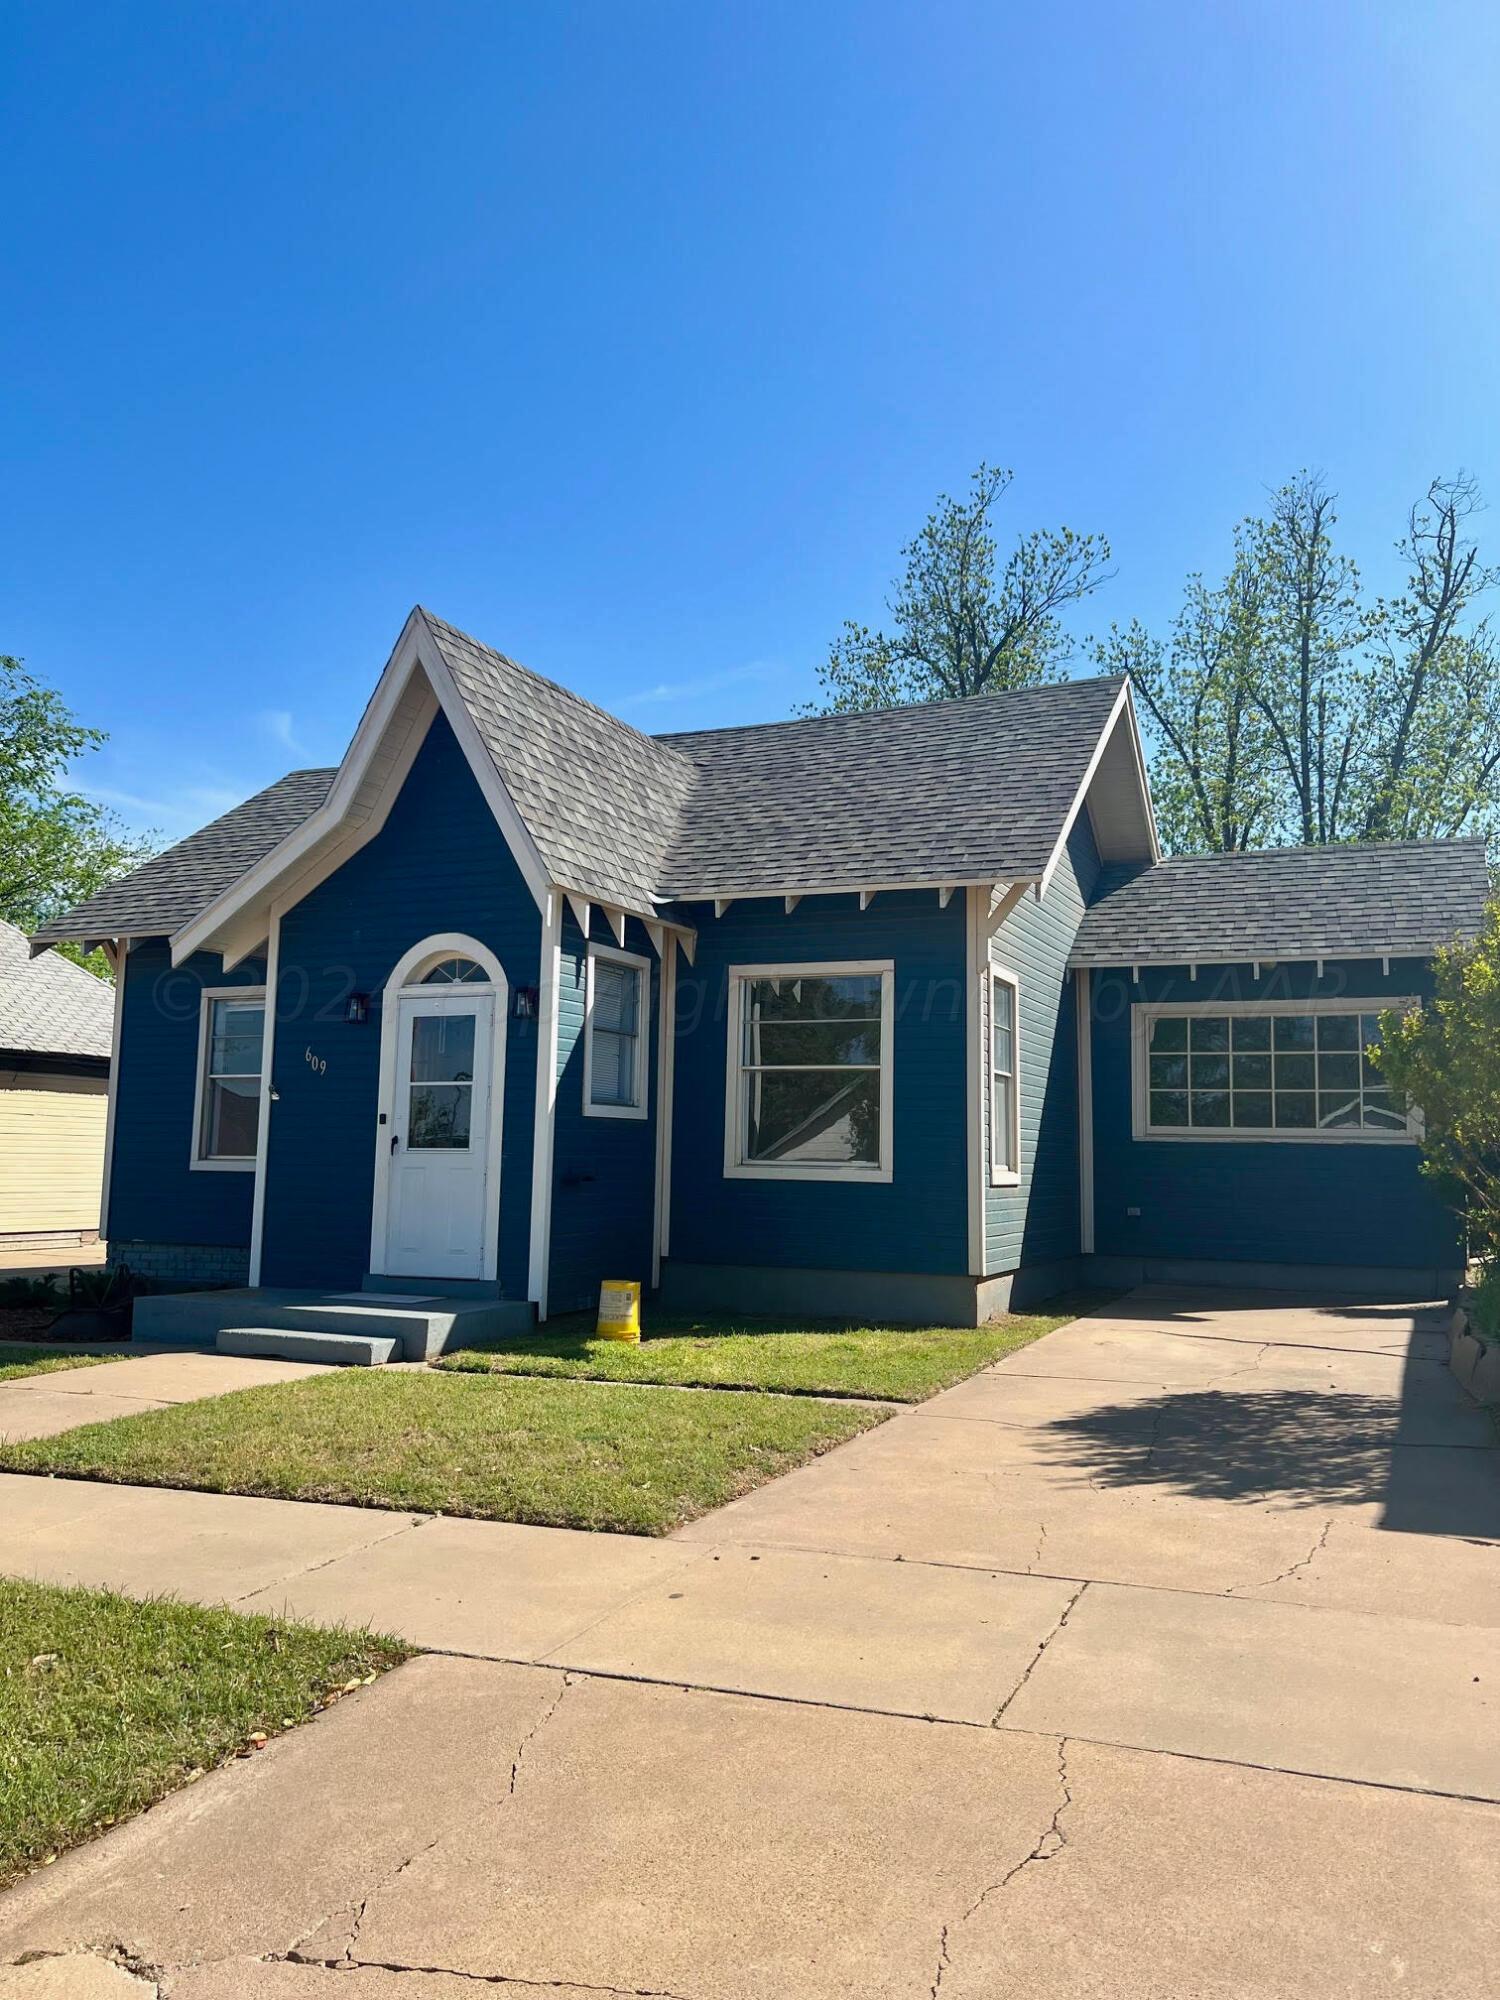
[172, 887]
[1395, 897]
[49, 1006]
[935, 794]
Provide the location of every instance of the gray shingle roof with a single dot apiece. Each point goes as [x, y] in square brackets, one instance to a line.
[951, 791]
[48, 1005]
[165, 892]
[976, 790]
[599, 799]
[1291, 902]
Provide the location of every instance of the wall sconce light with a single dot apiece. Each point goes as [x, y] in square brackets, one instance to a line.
[523, 1002]
[358, 1008]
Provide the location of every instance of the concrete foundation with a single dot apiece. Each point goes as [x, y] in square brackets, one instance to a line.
[420, 1329]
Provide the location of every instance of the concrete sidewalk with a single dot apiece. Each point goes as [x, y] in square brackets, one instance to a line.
[1079, 1677]
[38, 1406]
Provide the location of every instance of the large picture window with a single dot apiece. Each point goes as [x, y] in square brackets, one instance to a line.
[226, 1120]
[809, 1086]
[617, 1005]
[1293, 1070]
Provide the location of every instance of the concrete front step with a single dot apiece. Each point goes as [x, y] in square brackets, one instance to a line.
[380, 1286]
[349, 1350]
[426, 1326]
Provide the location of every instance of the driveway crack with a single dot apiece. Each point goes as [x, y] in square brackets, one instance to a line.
[1032, 1663]
[483, 1978]
[1292, 1569]
[1049, 1845]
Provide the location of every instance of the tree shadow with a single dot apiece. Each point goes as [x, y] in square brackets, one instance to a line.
[1299, 1448]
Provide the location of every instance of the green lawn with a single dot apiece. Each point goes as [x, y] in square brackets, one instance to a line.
[106, 1703]
[562, 1454]
[902, 1365]
[17, 1358]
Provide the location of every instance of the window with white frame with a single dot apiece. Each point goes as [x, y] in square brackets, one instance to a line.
[809, 1072]
[617, 1009]
[1005, 1104]
[1291, 1070]
[227, 1117]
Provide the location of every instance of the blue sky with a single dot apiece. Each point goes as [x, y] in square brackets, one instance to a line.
[636, 337]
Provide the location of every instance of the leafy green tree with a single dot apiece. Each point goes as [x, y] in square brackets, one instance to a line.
[1287, 707]
[57, 847]
[1215, 781]
[1301, 674]
[1443, 1057]
[1432, 690]
[964, 621]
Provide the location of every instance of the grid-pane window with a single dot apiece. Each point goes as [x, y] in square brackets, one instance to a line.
[616, 1030]
[1004, 1124]
[440, 1099]
[810, 1070]
[1285, 1073]
[233, 1031]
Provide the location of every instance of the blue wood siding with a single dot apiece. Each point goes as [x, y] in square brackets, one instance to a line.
[916, 1222]
[603, 1169]
[1276, 1202]
[1039, 1220]
[438, 864]
[154, 1195]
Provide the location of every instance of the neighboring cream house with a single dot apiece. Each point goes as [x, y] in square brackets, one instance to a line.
[56, 1025]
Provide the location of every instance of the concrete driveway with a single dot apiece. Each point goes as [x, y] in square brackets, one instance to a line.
[1160, 1660]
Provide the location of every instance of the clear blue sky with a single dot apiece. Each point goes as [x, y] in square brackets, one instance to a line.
[636, 337]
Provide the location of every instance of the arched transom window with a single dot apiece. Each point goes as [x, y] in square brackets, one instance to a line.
[454, 972]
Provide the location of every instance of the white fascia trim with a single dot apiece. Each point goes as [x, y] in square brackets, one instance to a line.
[416, 650]
[1144, 1012]
[206, 999]
[943, 885]
[442, 944]
[1085, 1005]
[1280, 955]
[735, 1168]
[1124, 706]
[546, 1102]
[666, 1067]
[641, 1083]
[976, 955]
[263, 1128]
[119, 958]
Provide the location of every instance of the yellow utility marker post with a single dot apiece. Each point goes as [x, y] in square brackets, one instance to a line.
[620, 1309]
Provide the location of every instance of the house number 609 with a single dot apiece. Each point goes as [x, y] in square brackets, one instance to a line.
[317, 1064]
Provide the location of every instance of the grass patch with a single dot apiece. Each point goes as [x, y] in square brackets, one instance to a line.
[107, 1703]
[560, 1454]
[18, 1359]
[895, 1364]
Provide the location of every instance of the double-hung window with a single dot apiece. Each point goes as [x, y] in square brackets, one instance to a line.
[227, 1117]
[1257, 1069]
[809, 1072]
[615, 1034]
[1005, 1107]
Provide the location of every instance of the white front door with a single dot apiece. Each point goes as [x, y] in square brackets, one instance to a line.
[437, 1186]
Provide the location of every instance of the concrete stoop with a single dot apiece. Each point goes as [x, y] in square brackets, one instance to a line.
[416, 1327]
[348, 1350]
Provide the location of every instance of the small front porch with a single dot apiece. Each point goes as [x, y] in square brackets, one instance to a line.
[317, 1325]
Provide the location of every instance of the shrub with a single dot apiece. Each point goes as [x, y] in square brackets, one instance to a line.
[1486, 1314]
[1445, 1056]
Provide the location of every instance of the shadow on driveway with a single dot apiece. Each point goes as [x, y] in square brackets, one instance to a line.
[1302, 1448]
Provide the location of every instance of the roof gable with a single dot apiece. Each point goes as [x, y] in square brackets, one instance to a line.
[941, 794]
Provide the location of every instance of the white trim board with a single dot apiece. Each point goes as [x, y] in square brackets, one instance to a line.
[540, 1252]
[1000, 1176]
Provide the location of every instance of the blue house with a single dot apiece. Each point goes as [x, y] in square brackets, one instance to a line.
[900, 1016]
